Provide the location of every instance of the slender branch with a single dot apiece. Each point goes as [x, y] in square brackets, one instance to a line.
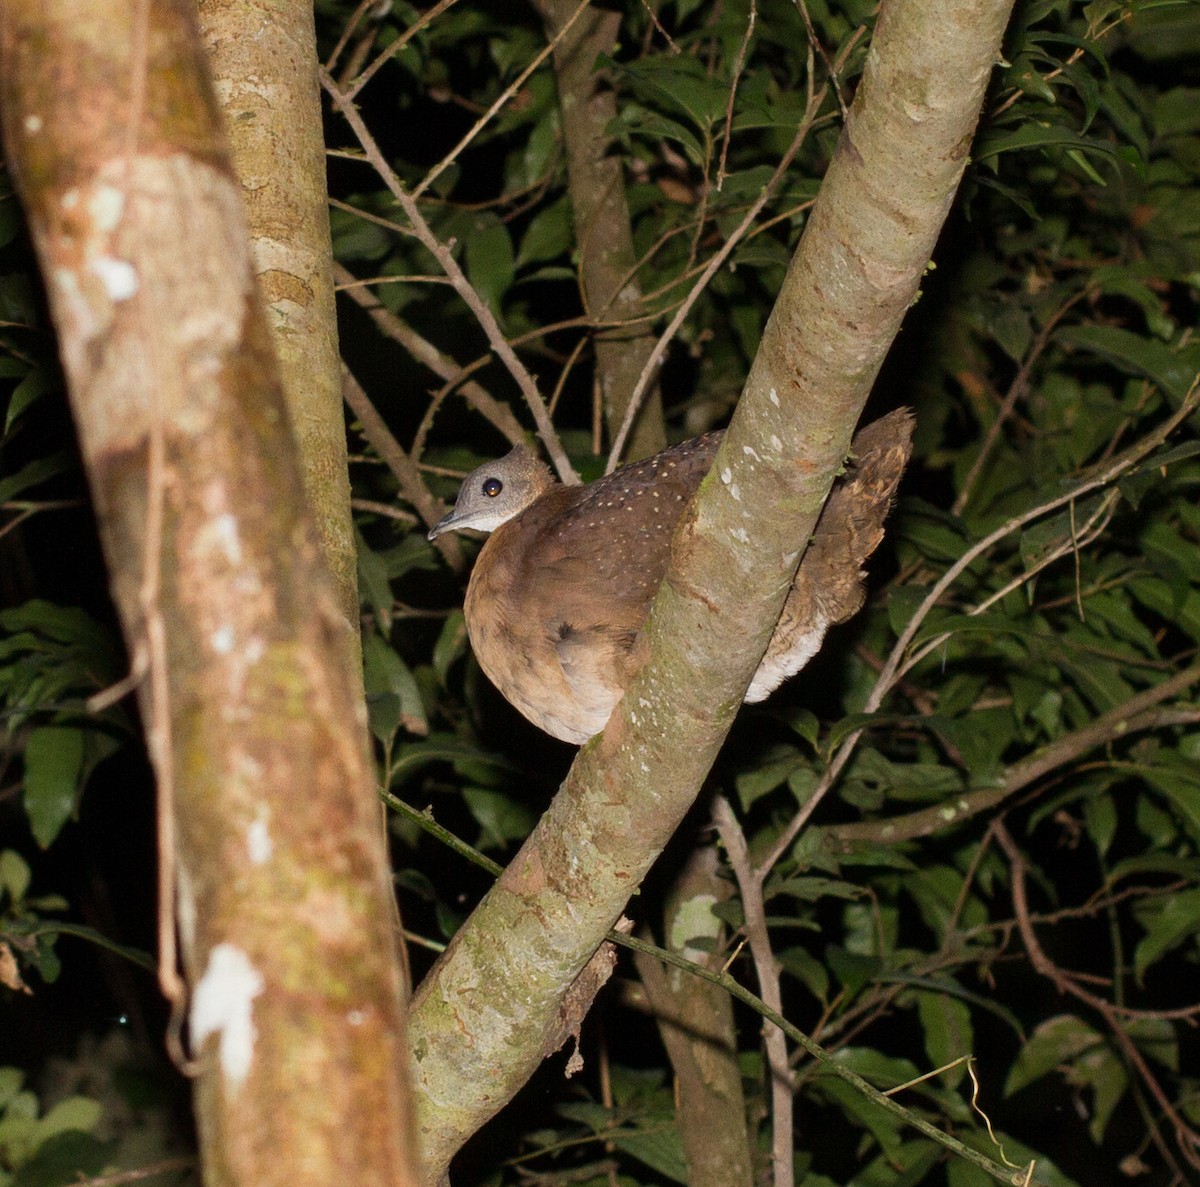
[710, 270]
[1187, 1138]
[735, 989]
[151, 1170]
[1136, 715]
[1084, 535]
[738, 64]
[412, 486]
[352, 23]
[767, 972]
[1018, 388]
[891, 671]
[496, 412]
[445, 258]
[386, 55]
[504, 96]
[830, 1063]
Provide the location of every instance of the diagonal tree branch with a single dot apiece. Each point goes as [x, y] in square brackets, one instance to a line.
[857, 270]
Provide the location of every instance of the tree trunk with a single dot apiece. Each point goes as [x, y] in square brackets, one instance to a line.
[486, 1014]
[695, 1020]
[263, 60]
[268, 818]
[596, 182]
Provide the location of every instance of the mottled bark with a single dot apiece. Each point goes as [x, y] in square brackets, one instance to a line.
[256, 727]
[695, 1020]
[603, 232]
[263, 58]
[480, 1018]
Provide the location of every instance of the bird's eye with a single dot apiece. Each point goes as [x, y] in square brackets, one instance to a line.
[492, 487]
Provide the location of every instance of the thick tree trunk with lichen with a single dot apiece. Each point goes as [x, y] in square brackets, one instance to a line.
[482, 1019]
[269, 818]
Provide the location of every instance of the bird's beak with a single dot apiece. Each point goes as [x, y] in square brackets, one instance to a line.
[445, 524]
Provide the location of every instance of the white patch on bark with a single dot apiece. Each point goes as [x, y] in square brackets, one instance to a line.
[223, 1005]
[120, 278]
[122, 252]
[185, 905]
[259, 844]
[106, 204]
[225, 536]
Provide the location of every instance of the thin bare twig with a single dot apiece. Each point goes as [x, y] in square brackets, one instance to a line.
[832, 68]
[352, 23]
[445, 368]
[710, 270]
[1018, 388]
[464, 288]
[412, 486]
[1135, 716]
[891, 670]
[504, 96]
[1187, 1138]
[767, 972]
[369, 73]
[739, 63]
[151, 1170]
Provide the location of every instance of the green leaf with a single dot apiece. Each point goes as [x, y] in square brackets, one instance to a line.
[471, 762]
[548, 236]
[1169, 922]
[1134, 354]
[1100, 818]
[67, 1157]
[1180, 783]
[374, 586]
[1038, 135]
[906, 1166]
[949, 1035]
[76, 1112]
[393, 698]
[24, 394]
[451, 644]
[14, 875]
[1056, 1042]
[489, 258]
[32, 474]
[772, 771]
[801, 721]
[679, 81]
[637, 120]
[11, 1079]
[53, 772]
[809, 889]
[801, 964]
[500, 818]
[658, 1147]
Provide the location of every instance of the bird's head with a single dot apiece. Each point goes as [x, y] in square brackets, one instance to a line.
[496, 492]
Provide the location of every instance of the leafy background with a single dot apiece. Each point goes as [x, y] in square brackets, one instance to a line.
[983, 876]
